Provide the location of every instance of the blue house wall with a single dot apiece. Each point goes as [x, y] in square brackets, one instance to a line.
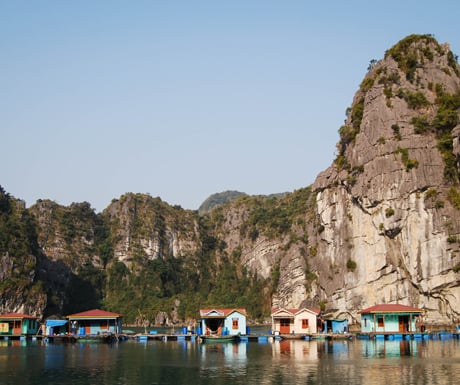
[339, 326]
[370, 323]
[235, 323]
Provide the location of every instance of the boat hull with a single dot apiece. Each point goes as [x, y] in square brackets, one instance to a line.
[227, 338]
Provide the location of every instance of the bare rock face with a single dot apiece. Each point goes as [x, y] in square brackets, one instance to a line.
[386, 204]
[147, 227]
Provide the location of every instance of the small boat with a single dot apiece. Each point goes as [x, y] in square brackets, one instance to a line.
[293, 336]
[218, 338]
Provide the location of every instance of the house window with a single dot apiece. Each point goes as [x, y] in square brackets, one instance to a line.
[235, 323]
[305, 324]
[285, 322]
[380, 322]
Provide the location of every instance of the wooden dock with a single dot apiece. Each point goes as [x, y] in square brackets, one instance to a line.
[260, 338]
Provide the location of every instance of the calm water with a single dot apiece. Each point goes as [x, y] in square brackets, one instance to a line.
[186, 362]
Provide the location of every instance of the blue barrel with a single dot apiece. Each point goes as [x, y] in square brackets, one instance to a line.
[248, 330]
[82, 331]
[184, 330]
[199, 331]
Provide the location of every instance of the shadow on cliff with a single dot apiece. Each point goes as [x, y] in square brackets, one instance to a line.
[68, 291]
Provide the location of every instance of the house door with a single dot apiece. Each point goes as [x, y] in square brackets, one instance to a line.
[17, 327]
[403, 322]
[285, 326]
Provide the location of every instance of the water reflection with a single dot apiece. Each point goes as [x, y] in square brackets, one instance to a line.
[295, 349]
[223, 359]
[383, 348]
[185, 362]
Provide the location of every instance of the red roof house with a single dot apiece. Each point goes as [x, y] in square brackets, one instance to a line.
[393, 318]
[293, 321]
[95, 321]
[18, 324]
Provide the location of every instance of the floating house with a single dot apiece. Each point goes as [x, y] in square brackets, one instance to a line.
[222, 321]
[56, 327]
[292, 321]
[93, 322]
[335, 326]
[18, 324]
[389, 318]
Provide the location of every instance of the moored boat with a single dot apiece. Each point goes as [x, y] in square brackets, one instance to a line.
[293, 336]
[218, 338]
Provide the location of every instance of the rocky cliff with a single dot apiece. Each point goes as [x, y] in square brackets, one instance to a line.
[383, 226]
[388, 206]
[380, 225]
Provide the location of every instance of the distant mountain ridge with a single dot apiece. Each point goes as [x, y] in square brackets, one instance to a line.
[219, 199]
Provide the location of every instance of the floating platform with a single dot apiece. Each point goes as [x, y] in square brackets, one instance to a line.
[260, 338]
[163, 337]
[398, 336]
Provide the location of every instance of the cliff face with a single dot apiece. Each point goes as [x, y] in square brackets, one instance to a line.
[147, 228]
[378, 226]
[387, 204]
[384, 225]
[19, 289]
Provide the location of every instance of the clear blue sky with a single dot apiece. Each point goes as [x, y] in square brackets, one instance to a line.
[183, 99]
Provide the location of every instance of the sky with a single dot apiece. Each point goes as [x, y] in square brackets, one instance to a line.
[184, 99]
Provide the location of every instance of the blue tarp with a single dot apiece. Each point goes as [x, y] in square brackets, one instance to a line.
[55, 322]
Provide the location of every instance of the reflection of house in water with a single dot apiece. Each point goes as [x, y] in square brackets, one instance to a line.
[334, 347]
[296, 349]
[384, 348]
[224, 354]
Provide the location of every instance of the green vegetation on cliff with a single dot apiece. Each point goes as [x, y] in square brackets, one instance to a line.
[218, 199]
[74, 252]
[206, 277]
[18, 254]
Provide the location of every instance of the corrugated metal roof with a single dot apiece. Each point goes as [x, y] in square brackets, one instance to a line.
[219, 312]
[55, 322]
[296, 310]
[95, 313]
[16, 316]
[391, 308]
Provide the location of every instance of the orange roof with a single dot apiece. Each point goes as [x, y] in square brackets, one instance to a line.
[391, 308]
[16, 316]
[221, 312]
[95, 313]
